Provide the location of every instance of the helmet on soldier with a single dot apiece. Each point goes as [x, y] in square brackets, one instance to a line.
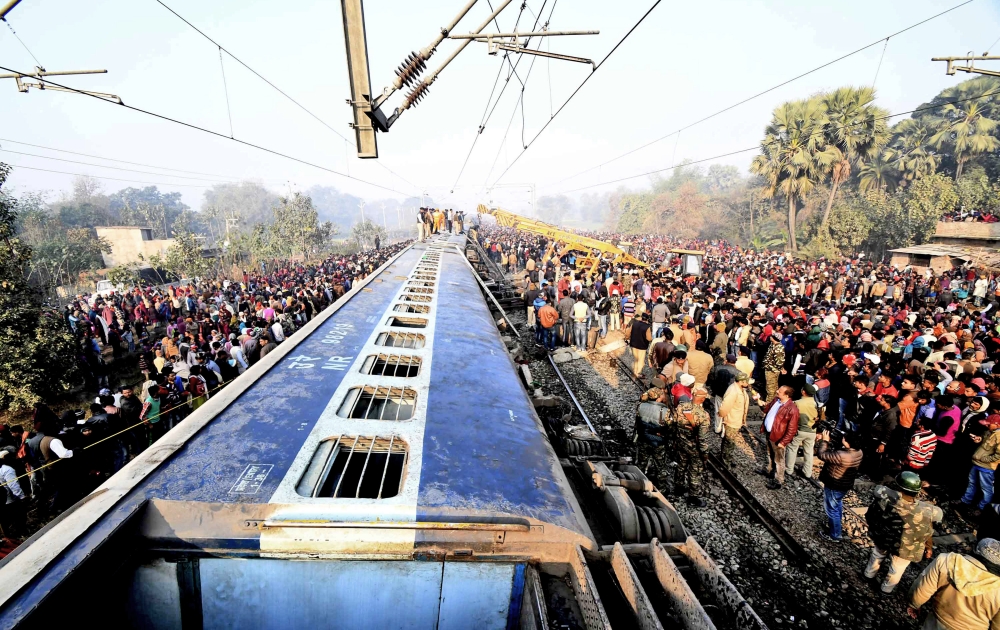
[908, 482]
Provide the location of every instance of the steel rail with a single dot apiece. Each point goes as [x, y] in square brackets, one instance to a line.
[788, 543]
[572, 396]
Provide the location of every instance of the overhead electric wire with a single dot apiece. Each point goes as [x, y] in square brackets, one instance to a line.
[117, 168]
[762, 93]
[485, 118]
[18, 38]
[115, 179]
[520, 101]
[757, 147]
[100, 157]
[579, 87]
[212, 132]
[279, 90]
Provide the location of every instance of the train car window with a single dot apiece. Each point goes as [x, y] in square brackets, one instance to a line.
[419, 290]
[407, 322]
[394, 339]
[378, 403]
[404, 366]
[355, 467]
[415, 298]
[420, 283]
[411, 308]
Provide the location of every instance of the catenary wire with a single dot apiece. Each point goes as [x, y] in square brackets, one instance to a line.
[114, 179]
[225, 88]
[520, 101]
[579, 87]
[757, 147]
[878, 68]
[99, 157]
[18, 38]
[484, 119]
[762, 93]
[117, 168]
[276, 88]
[214, 133]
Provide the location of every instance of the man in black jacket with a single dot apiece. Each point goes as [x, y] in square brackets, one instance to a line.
[840, 469]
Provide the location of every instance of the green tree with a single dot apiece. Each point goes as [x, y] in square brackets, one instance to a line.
[364, 232]
[794, 155]
[37, 351]
[878, 174]
[910, 150]
[850, 224]
[185, 257]
[856, 130]
[630, 212]
[964, 128]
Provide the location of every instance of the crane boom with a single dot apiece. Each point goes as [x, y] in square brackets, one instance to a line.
[570, 242]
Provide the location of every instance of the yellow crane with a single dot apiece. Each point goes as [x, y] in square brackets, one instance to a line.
[590, 251]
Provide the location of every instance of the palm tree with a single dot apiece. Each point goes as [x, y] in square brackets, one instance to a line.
[910, 151]
[964, 127]
[877, 174]
[794, 154]
[856, 128]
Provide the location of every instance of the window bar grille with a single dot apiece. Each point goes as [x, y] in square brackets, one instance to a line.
[357, 492]
[346, 464]
[371, 400]
[388, 458]
[327, 466]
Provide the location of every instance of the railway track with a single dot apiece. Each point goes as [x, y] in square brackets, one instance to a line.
[789, 544]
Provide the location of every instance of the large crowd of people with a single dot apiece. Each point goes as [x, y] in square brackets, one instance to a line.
[187, 341]
[866, 369]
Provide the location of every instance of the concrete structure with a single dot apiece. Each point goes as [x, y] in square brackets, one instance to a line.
[940, 258]
[967, 234]
[132, 245]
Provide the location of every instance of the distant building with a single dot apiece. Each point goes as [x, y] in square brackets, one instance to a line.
[953, 244]
[132, 245]
[967, 234]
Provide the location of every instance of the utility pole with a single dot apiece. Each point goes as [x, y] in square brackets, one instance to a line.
[384, 226]
[7, 8]
[361, 204]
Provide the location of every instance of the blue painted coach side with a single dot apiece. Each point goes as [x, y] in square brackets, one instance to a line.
[265, 425]
[483, 448]
[484, 453]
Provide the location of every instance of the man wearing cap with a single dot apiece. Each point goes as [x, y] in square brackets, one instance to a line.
[733, 411]
[965, 589]
[806, 436]
[984, 466]
[901, 527]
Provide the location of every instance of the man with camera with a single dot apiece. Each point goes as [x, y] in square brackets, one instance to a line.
[840, 468]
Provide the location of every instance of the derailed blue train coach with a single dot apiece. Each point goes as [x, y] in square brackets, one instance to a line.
[382, 468]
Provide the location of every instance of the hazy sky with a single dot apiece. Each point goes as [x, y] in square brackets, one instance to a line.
[685, 61]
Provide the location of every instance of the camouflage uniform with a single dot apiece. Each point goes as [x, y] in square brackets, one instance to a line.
[654, 430]
[774, 361]
[691, 445]
[901, 547]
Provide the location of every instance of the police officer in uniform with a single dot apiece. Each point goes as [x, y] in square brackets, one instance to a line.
[901, 528]
[652, 434]
[693, 425]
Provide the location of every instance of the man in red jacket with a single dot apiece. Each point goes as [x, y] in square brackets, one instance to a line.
[781, 423]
